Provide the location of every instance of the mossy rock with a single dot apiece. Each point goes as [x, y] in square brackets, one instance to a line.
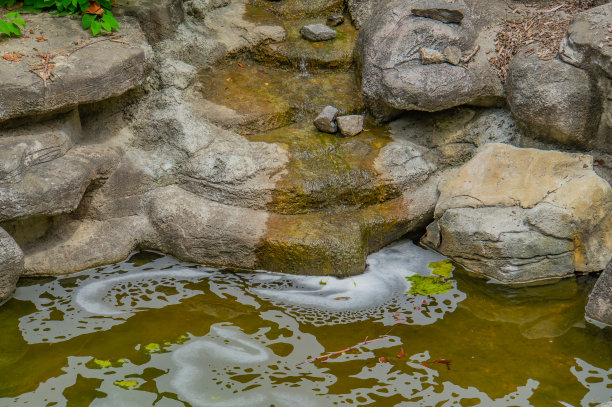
[293, 9]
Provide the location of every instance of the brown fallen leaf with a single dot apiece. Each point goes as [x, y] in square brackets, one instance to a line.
[342, 298]
[41, 39]
[94, 8]
[240, 64]
[383, 359]
[12, 57]
[31, 31]
[401, 353]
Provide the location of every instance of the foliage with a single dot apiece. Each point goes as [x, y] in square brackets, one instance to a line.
[10, 27]
[429, 285]
[97, 14]
[442, 268]
[126, 384]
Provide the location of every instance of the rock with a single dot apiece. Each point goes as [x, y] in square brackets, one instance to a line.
[196, 229]
[453, 55]
[298, 54]
[326, 120]
[158, 18]
[439, 10]
[301, 9]
[75, 245]
[552, 101]
[90, 74]
[586, 43]
[431, 56]
[334, 20]
[350, 125]
[394, 75]
[62, 182]
[599, 306]
[177, 73]
[318, 32]
[587, 46]
[30, 145]
[361, 10]
[521, 215]
[11, 265]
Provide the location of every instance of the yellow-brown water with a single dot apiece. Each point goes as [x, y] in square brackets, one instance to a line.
[156, 331]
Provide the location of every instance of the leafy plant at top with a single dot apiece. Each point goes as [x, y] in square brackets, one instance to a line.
[10, 27]
[97, 14]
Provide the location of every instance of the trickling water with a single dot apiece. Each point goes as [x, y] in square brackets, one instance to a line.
[157, 331]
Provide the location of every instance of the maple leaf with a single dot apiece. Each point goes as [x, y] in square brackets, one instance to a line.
[12, 57]
[94, 8]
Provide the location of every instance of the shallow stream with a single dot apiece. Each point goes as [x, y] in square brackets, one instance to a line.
[156, 331]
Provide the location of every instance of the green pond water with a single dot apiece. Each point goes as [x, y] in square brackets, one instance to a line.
[154, 331]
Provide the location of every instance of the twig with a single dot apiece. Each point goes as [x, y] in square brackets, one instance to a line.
[95, 42]
[328, 355]
[45, 70]
[119, 41]
[467, 59]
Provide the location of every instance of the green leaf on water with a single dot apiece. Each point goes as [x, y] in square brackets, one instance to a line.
[103, 363]
[126, 384]
[429, 285]
[442, 268]
[152, 347]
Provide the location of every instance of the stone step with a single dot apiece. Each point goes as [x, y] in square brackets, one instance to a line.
[80, 73]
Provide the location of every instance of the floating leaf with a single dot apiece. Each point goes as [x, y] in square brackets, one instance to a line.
[103, 363]
[152, 347]
[342, 298]
[126, 384]
[429, 285]
[401, 353]
[383, 359]
[442, 268]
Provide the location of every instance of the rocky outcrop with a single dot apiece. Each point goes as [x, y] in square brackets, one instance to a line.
[158, 19]
[11, 265]
[599, 306]
[394, 75]
[587, 45]
[81, 74]
[553, 101]
[520, 215]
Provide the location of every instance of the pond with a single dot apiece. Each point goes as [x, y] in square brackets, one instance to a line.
[156, 331]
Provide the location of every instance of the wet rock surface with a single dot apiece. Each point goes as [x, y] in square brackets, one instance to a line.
[351, 125]
[11, 265]
[599, 306]
[326, 120]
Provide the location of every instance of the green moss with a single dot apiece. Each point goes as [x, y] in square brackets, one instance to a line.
[429, 285]
[126, 384]
[442, 268]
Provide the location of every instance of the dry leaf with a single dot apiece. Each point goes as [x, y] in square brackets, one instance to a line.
[41, 39]
[94, 8]
[12, 57]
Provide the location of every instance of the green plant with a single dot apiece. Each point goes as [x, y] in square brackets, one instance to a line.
[96, 15]
[10, 27]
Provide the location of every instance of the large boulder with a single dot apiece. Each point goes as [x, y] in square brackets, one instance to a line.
[396, 75]
[587, 45]
[11, 265]
[553, 101]
[599, 306]
[520, 215]
[83, 72]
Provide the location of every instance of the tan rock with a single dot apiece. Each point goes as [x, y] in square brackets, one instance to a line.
[524, 214]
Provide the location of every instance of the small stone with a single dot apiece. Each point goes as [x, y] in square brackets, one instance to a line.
[326, 120]
[318, 32]
[431, 56]
[350, 125]
[446, 15]
[335, 20]
[453, 55]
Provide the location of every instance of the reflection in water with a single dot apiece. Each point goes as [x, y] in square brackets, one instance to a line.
[168, 333]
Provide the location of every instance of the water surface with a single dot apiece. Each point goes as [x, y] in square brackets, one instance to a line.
[156, 331]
